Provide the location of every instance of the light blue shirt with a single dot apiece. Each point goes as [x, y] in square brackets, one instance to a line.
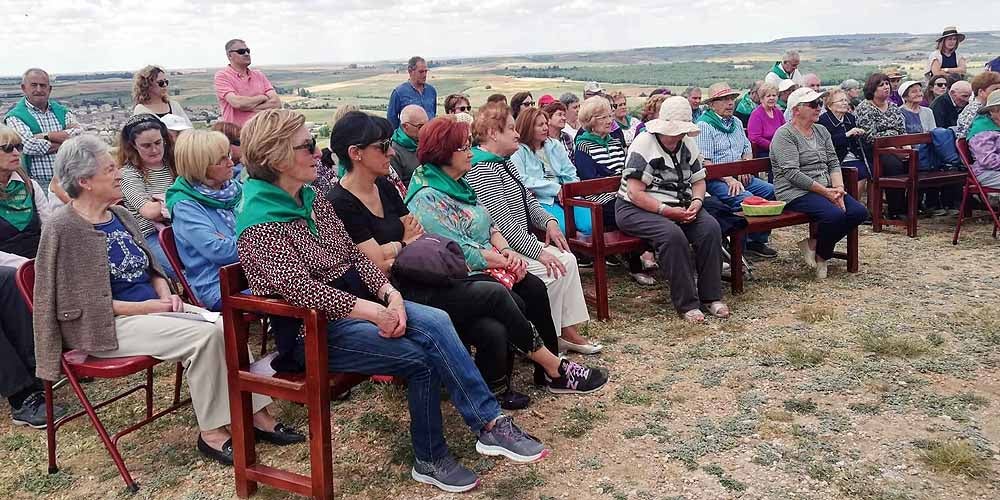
[719, 147]
[545, 181]
[406, 94]
[204, 243]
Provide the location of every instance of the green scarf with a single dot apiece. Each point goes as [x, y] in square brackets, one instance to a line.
[182, 190]
[712, 118]
[592, 137]
[982, 123]
[480, 155]
[400, 137]
[745, 105]
[782, 104]
[264, 202]
[15, 206]
[624, 125]
[431, 176]
[778, 70]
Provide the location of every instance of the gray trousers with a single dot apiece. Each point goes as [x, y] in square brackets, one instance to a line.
[670, 240]
[17, 342]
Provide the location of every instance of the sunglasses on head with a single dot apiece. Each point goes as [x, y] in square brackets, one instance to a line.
[242, 52]
[309, 146]
[163, 83]
[9, 148]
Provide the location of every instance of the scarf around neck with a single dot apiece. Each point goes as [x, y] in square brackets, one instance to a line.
[745, 105]
[400, 137]
[588, 136]
[778, 70]
[431, 176]
[264, 202]
[982, 123]
[712, 118]
[480, 155]
[15, 206]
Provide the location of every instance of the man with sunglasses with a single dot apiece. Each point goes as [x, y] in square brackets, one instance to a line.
[948, 106]
[416, 90]
[242, 92]
[42, 123]
[405, 140]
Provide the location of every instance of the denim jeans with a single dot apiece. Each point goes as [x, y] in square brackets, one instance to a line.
[427, 355]
[153, 242]
[757, 187]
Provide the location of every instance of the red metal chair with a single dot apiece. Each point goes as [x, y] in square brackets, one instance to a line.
[77, 365]
[972, 188]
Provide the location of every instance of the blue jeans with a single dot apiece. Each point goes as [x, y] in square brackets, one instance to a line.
[427, 355]
[153, 242]
[833, 223]
[757, 187]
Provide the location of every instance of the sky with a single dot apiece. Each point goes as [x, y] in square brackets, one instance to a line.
[70, 36]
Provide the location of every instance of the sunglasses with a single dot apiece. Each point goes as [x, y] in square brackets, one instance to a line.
[528, 103]
[382, 145]
[309, 146]
[463, 109]
[9, 148]
[941, 84]
[235, 142]
[242, 52]
[812, 104]
[163, 83]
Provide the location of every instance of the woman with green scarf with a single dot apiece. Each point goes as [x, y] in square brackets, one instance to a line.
[598, 154]
[984, 142]
[202, 201]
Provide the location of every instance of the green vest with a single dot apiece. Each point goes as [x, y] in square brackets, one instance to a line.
[20, 111]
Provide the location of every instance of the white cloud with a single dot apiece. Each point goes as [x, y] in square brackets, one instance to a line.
[92, 35]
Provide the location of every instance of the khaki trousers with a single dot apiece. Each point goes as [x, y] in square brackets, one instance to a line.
[200, 346]
[565, 293]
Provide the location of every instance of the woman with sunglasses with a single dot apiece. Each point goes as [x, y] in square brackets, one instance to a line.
[232, 132]
[936, 87]
[146, 154]
[520, 100]
[627, 123]
[807, 176]
[151, 94]
[457, 103]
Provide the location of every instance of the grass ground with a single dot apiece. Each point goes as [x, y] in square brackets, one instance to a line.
[872, 386]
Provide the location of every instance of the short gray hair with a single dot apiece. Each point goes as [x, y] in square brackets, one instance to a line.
[232, 43]
[568, 98]
[850, 84]
[690, 90]
[413, 62]
[77, 161]
[791, 54]
[30, 71]
[591, 108]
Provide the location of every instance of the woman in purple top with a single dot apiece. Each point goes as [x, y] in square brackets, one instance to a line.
[765, 121]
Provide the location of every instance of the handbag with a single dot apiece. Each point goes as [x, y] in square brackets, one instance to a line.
[502, 276]
[431, 260]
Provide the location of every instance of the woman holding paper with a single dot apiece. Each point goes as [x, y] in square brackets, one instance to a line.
[110, 297]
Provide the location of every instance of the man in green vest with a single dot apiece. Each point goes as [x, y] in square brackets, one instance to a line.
[785, 69]
[43, 125]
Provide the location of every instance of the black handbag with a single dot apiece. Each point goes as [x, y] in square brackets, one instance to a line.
[431, 260]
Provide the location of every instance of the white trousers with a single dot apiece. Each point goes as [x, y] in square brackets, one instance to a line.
[569, 308]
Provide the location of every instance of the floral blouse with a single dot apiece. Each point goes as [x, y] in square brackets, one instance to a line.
[879, 124]
[468, 225]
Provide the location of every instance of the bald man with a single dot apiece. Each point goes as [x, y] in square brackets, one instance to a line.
[404, 141]
[948, 106]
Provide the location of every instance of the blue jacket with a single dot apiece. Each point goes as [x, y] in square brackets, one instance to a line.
[205, 244]
[404, 95]
[532, 170]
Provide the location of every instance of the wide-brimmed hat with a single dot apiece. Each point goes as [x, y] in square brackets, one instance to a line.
[905, 86]
[674, 119]
[951, 31]
[801, 96]
[786, 85]
[893, 74]
[593, 88]
[992, 102]
[720, 90]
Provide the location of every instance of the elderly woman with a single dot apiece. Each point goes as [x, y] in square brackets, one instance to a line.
[944, 60]
[650, 110]
[598, 154]
[456, 103]
[98, 289]
[145, 152]
[232, 133]
[765, 120]
[514, 210]
[520, 101]
[201, 203]
[151, 94]
[845, 133]
[485, 314]
[982, 85]
[293, 245]
[660, 201]
[939, 154]
[626, 122]
[807, 176]
[880, 118]
[984, 142]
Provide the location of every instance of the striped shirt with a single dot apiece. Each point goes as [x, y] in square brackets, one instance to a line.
[719, 147]
[138, 191]
[511, 206]
[594, 161]
[667, 176]
[42, 161]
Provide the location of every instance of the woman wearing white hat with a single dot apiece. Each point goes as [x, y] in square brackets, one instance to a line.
[945, 61]
[807, 176]
[661, 199]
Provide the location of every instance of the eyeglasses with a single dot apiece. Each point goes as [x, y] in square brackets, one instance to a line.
[382, 145]
[228, 156]
[417, 126]
[242, 52]
[163, 83]
[463, 109]
[941, 84]
[9, 148]
[464, 149]
[309, 146]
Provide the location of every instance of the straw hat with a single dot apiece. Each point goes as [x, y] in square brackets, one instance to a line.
[951, 31]
[674, 119]
[720, 90]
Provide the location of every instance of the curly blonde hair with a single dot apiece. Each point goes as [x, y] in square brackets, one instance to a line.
[266, 141]
[143, 82]
[651, 109]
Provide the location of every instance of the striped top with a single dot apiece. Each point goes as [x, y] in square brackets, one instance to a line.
[139, 191]
[594, 161]
[510, 204]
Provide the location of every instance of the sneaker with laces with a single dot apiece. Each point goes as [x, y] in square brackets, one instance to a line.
[577, 379]
[508, 440]
[446, 474]
[761, 250]
[32, 412]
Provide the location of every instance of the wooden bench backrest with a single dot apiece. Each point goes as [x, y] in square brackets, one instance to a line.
[742, 167]
[903, 140]
[592, 186]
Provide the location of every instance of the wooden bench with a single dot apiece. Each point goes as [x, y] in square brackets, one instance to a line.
[312, 388]
[786, 219]
[911, 182]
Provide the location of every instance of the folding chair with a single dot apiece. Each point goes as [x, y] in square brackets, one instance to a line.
[972, 188]
[77, 365]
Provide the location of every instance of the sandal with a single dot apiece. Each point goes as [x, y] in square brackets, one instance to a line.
[694, 316]
[719, 309]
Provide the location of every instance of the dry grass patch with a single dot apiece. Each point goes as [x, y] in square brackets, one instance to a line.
[888, 345]
[814, 314]
[955, 457]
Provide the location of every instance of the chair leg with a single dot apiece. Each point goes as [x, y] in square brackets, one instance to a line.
[961, 214]
[264, 323]
[50, 428]
[178, 380]
[101, 431]
[149, 393]
[912, 202]
[993, 214]
[875, 202]
[601, 288]
[736, 261]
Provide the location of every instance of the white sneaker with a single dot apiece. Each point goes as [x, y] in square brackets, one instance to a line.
[808, 254]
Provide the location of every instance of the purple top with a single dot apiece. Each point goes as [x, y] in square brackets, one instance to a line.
[761, 129]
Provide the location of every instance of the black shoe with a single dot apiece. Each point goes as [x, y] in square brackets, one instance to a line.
[513, 400]
[32, 412]
[612, 261]
[223, 456]
[584, 261]
[577, 379]
[282, 435]
[761, 250]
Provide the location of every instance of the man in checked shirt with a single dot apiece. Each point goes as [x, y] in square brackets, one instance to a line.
[43, 125]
